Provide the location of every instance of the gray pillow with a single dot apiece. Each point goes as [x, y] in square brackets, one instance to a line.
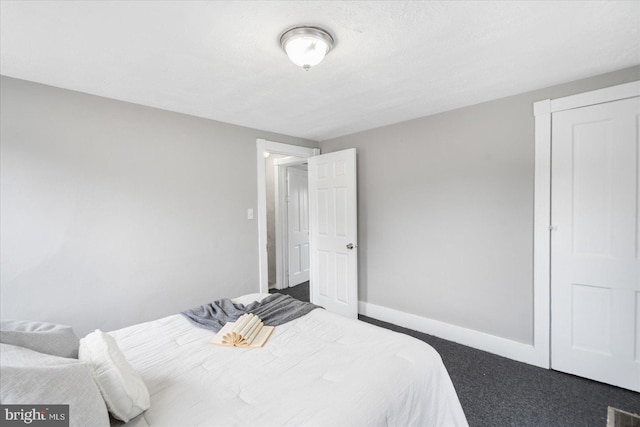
[29, 377]
[49, 338]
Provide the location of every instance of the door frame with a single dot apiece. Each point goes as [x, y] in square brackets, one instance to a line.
[542, 227]
[264, 146]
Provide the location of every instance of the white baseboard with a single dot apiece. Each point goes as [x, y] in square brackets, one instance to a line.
[515, 350]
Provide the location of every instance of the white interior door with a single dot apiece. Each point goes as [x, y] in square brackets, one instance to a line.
[333, 225]
[595, 249]
[298, 225]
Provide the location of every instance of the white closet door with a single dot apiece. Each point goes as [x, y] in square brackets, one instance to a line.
[595, 249]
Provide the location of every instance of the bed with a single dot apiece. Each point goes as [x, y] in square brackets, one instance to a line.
[318, 370]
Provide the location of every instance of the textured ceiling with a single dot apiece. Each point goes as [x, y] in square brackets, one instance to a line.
[393, 61]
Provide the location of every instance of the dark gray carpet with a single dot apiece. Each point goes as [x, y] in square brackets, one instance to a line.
[300, 292]
[495, 391]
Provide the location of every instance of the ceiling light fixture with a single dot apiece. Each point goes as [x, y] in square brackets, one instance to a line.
[306, 46]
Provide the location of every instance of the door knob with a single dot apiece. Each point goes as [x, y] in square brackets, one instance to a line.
[350, 246]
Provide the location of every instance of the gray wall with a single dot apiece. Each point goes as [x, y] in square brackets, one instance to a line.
[445, 206]
[114, 213]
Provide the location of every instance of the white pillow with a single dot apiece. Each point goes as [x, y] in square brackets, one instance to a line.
[122, 388]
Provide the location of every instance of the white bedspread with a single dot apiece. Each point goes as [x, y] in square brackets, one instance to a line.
[319, 370]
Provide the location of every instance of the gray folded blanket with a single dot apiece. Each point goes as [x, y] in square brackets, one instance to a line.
[274, 310]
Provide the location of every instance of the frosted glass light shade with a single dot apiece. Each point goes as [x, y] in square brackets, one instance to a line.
[306, 46]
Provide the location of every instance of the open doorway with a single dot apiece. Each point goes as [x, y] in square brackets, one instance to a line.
[275, 162]
[287, 200]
